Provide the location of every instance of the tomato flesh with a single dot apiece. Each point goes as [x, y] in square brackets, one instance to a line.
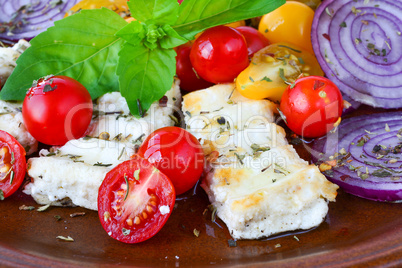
[219, 54]
[135, 212]
[12, 164]
[57, 109]
[176, 153]
[312, 106]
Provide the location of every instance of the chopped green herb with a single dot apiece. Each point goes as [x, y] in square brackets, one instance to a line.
[266, 79]
[293, 49]
[43, 208]
[125, 231]
[343, 25]
[99, 164]
[251, 79]
[240, 158]
[137, 174]
[282, 74]
[67, 239]
[232, 243]
[301, 60]
[296, 238]
[196, 232]
[127, 185]
[1, 195]
[57, 217]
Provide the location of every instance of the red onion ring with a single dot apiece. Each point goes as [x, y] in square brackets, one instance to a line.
[368, 154]
[358, 44]
[24, 19]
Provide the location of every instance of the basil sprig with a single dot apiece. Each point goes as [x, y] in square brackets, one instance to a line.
[105, 53]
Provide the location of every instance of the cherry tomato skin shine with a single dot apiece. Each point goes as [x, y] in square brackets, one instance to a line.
[12, 164]
[312, 106]
[176, 153]
[254, 39]
[57, 110]
[135, 200]
[219, 54]
[189, 79]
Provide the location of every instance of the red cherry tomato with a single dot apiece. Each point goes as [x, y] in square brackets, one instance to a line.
[135, 200]
[12, 164]
[189, 79]
[312, 106]
[254, 39]
[219, 54]
[176, 153]
[57, 110]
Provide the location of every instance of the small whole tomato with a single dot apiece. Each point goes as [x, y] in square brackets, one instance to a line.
[219, 54]
[135, 200]
[289, 23]
[254, 39]
[12, 164]
[189, 79]
[57, 109]
[176, 153]
[312, 106]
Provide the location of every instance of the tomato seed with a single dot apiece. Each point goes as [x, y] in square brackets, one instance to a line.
[137, 220]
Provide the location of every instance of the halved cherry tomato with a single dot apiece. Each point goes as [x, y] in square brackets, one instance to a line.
[290, 23]
[57, 109]
[312, 106]
[135, 200]
[219, 54]
[273, 68]
[12, 164]
[254, 39]
[189, 79]
[176, 153]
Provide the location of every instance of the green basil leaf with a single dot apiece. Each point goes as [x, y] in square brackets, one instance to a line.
[198, 15]
[159, 11]
[145, 75]
[133, 32]
[82, 46]
[172, 38]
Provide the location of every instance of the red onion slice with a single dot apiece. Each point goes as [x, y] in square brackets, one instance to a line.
[368, 154]
[24, 19]
[358, 44]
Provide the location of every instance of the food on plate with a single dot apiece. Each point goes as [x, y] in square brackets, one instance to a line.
[57, 109]
[117, 55]
[312, 106]
[176, 153]
[365, 156]
[290, 23]
[26, 19]
[257, 182]
[12, 164]
[219, 54]
[71, 174]
[135, 201]
[273, 68]
[358, 45]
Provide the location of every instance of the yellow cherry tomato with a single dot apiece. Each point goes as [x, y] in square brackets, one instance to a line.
[289, 23]
[273, 69]
[118, 6]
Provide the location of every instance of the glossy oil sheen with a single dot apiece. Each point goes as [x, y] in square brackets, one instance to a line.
[355, 233]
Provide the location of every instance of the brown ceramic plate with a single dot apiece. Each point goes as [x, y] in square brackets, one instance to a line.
[356, 232]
